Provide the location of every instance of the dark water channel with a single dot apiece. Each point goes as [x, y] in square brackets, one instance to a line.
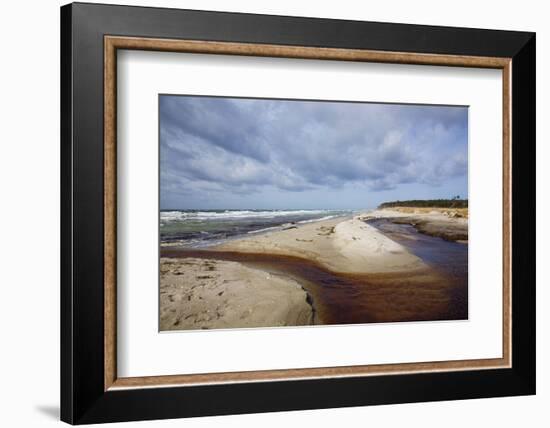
[447, 257]
[437, 293]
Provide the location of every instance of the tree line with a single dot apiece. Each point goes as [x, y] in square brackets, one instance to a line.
[427, 203]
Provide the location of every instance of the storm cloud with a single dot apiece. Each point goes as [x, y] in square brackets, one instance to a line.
[234, 152]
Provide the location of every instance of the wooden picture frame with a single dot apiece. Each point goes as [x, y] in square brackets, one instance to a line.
[91, 390]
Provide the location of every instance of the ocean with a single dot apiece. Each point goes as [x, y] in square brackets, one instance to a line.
[200, 228]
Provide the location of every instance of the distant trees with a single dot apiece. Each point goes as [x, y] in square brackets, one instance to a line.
[455, 202]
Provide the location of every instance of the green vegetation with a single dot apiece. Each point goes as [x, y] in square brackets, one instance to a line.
[428, 203]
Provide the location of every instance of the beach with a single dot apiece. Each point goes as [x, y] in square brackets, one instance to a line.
[331, 269]
[207, 293]
[340, 245]
[446, 223]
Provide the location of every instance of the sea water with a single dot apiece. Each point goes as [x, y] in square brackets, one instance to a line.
[200, 228]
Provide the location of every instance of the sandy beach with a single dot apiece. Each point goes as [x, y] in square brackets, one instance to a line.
[272, 278]
[346, 245]
[207, 294]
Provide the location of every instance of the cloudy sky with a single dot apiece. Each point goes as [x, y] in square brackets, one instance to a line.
[220, 153]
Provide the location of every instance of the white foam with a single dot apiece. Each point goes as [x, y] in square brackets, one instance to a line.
[167, 216]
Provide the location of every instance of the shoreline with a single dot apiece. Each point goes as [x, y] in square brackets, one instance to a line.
[349, 298]
[450, 224]
[341, 245]
[252, 233]
[357, 264]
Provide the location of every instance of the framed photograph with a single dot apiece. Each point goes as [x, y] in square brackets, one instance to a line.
[266, 213]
